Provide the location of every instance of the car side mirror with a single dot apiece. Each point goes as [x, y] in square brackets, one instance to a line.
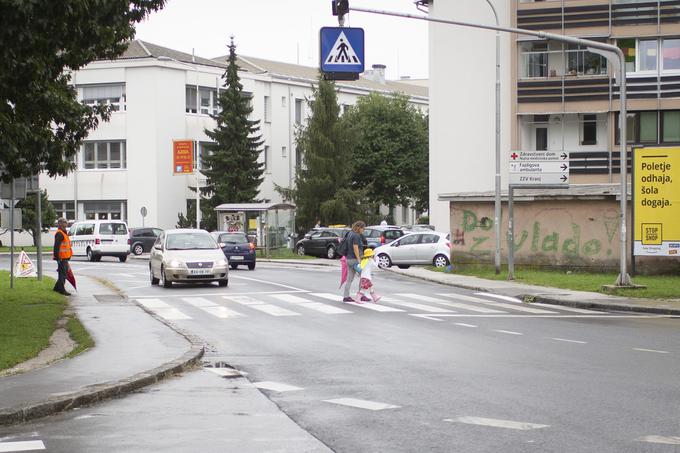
[395, 244]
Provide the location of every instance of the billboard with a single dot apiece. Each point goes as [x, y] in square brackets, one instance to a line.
[656, 201]
[182, 157]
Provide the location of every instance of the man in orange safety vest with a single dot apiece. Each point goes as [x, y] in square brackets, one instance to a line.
[62, 253]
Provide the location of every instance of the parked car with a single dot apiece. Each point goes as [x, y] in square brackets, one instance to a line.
[416, 248]
[237, 248]
[417, 227]
[380, 235]
[187, 256]
[321, 242]
[142, 239]
[97, 238]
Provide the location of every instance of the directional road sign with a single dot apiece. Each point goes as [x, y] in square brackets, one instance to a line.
[539, 179]
[539, 168]
[538, 155]
[342, 51]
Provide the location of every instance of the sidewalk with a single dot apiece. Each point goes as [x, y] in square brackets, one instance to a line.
[541, 294]
[132, 350]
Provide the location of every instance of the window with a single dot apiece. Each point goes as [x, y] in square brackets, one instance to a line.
[430, 239]
[284, 151]
[534, 59]
[104, 155]
[65, 209]
[191, 99]
[298, 111]
[671, 54]
[201, 100]
[283, 101]
[648, 54]
[541, 139]
[85, 229]
[298, 160]
[410, 240]
[110, 94]
[267, 109]
[265, 158]
[103, 210]
[589, 130]
[648, 127]
[580, 61]
[204, 150]
[671, 126]
[627, 45]
[117, 229]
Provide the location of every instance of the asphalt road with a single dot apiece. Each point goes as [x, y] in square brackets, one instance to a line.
[436, 369]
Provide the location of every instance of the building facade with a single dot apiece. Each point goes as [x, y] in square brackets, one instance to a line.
[159, 95]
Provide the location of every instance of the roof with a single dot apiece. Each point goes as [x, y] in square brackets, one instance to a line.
[253, 207]
[311, 74]
[574, 191]
[142, 49]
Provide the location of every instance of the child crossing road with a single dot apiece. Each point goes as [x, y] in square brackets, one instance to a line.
[367, 266]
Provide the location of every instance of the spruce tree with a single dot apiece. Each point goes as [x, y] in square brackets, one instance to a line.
[231, 166]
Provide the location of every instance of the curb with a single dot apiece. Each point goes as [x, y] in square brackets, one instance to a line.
[108, 390]
[554, 301]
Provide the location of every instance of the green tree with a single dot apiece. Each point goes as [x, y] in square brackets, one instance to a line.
[322, 185]
[233, 173]
[41, 122]
[391, 155]
[29, 214]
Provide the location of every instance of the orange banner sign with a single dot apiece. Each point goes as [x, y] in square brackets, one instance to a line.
[182, 156]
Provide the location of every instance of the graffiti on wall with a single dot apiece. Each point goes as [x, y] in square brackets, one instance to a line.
[559, 234]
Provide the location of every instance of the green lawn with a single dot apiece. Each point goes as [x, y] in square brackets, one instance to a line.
[26, 249]
[78, 334]
[658, 286]
[284, 254]
[28, 316]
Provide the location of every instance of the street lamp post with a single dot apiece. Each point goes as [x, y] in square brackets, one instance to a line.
[623, 278]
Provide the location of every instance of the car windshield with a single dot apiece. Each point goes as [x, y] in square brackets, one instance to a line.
[190, 241]
[233, 238]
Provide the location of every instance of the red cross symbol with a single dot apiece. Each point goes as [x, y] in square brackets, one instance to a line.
[514, 156]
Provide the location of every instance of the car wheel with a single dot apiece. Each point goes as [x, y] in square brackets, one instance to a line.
[300, 250]
[330, 252]
[138, 249]
[223, 283]
[384, 261]
[154, 280]
[122, 259]
[233, 266]
[403, 266]
[90, 255]
[440, 261]
[251, 266]
[163, 280]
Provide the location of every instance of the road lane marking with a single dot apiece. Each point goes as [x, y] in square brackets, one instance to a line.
[555, 316]
[569, 341]
[362, 404]
[509, 332]
[367, 305]
[565, 308]
[224, 372]
[517, 305]
[269, 309]
[514, 300]
[673, 440]
[162, 309]
[153, 303]
[651, 350]
[212, 308]
[276, 386]
[416, 306]
[252, 293]
[318, 306]
[29, 445]
[462, 324]
[496, 423]
[468, 306]
[267, 282]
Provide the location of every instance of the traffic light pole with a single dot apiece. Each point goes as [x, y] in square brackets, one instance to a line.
[623, 278]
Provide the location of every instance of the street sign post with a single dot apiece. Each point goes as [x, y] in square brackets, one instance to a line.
[143, 212]
[341, 52]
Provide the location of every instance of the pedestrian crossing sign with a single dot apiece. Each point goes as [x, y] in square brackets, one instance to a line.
[342, 52]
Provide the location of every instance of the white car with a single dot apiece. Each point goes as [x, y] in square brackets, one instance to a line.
[416, 248]
[97, 238]
[187, 256]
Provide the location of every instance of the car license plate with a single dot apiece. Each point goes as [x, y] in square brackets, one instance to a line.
[201, 271]
[236, 258]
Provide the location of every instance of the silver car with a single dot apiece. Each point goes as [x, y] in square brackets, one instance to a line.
[187, 256]
[416, 248]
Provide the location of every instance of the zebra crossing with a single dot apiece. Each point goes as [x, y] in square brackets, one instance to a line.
[299, 303]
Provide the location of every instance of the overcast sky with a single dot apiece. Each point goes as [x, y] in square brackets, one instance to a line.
[288, 30]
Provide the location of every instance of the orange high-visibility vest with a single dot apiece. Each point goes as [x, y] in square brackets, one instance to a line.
[65, 251]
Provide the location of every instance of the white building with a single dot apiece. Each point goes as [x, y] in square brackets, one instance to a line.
[160, 95]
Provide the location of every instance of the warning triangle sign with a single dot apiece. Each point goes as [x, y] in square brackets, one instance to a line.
[342, 52]
[23, 267]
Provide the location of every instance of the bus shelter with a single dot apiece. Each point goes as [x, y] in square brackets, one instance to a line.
[270, 225]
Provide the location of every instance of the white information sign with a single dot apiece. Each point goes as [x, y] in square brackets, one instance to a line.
[539, 168]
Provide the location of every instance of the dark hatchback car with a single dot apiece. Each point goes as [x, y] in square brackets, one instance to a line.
[142, 239]
[321, 242]
[381, 235]
[237, 248]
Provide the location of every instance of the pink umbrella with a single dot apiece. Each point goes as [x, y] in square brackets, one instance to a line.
[344, 271]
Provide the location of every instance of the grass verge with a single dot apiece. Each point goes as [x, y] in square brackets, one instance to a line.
[80, 335]
[658, 286]
[285, 254]
[27, 249]
[28, 317]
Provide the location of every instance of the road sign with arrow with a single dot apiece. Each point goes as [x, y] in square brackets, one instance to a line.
[539, 168]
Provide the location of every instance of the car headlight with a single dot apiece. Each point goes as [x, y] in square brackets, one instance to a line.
[221, 263]
[176, 263]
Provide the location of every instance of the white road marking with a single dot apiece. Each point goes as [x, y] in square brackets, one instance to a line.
[318, 306]
[496, 423]
[199, 302]
[362, 404]
[516, 307]
[556, 316]
[153, 303]
[224, 372]
[267, 282]
[367, 305]
[212, 308]
[569, 341]
[276, 386]
[462, 324]
[651, 350]
[660, 440]
[124, 275]
[468, 306]
[162, 309]
[416, 306]
[272, 310]
[501, 297]
[565, 308]
[252, 293]
[509, 332]
[29, 445]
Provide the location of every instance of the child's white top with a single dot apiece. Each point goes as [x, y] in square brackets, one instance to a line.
[367, 271]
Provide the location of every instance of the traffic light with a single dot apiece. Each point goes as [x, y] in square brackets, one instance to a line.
[340, 7]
